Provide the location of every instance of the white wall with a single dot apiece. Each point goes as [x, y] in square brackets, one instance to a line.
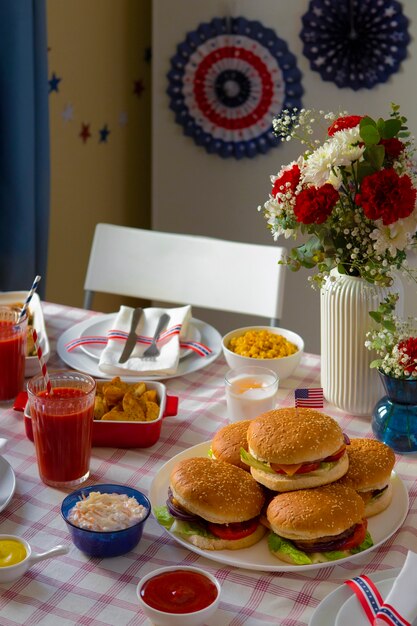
[194, 192]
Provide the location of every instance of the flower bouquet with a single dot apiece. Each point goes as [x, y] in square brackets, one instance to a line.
[394, 341]
[353, 195]
[394, 417]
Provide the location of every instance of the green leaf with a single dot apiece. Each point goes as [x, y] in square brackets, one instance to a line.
[366, 543]
[279, 544]
[391, 129]
[376, 316]
[370, 134]
[366, 121]
[389, 325]
[247, 458]
[375, 364]
[380, 126]
[163, 516]
[375, 156]
[364, 169]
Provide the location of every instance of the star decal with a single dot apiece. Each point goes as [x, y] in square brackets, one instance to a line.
[138, 87]
[104, 133]
[68, 112]
[54, 82]
[85, 132]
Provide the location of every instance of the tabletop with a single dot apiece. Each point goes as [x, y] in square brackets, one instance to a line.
[75, 589]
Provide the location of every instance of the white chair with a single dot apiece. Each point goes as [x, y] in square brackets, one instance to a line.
[187, 269]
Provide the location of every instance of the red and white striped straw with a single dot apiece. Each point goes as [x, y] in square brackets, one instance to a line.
[29, 298]
[42, 362]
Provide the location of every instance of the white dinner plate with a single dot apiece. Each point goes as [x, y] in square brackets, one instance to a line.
[328, 609]
[99, 327]
[32, 366]
[258, 556]
[351, 612]
[7, 483]
[83, 362]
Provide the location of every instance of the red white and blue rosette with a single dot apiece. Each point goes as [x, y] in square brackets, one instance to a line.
[227, 82]
[355, 43]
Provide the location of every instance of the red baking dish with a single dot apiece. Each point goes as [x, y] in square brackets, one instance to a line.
[126, 434]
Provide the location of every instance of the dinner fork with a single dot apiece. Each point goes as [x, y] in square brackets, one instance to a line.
[153, 351]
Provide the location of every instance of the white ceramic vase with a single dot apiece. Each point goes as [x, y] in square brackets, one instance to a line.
[346, 377]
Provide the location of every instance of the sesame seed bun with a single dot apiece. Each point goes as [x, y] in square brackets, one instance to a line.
[315, 513]
[370, 465]
[293, 435]
[216, 491]
[228, 441]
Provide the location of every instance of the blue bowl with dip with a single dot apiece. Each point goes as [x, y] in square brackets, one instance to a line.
[105, 543]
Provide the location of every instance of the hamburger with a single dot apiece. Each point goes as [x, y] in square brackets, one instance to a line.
[370, 465]
[212, 504]
[317, 525]
[228, 441]
[295, 448]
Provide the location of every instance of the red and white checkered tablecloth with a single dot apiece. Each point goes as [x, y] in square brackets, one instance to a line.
[74, 589]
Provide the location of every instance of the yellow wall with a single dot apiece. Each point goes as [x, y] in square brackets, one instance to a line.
[98, 49]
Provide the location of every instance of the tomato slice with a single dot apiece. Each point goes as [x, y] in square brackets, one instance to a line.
[303, 469]
[357, 538]
[336, 456]
[235, 530]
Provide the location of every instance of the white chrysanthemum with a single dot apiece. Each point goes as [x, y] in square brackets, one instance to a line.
[323, 164]
[394, 237]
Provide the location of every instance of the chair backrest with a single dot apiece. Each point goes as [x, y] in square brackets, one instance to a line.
[187, 269]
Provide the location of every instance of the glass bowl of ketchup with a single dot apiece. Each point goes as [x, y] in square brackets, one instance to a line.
[178, 596]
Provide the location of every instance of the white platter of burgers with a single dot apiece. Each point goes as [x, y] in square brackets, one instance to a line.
[312, 512]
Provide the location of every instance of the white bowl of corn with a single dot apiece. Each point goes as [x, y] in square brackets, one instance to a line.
[278, 349]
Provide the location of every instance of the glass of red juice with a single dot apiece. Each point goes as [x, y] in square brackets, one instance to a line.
[12, 352]
[62, 426]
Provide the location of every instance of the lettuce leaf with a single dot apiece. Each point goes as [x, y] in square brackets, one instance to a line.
[279, 544]
[285, 546]
[163, 516]
[366, 543]
[247, 458]
[190, 528]
[169, 522]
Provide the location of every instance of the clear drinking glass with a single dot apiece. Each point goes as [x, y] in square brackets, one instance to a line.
[250, 391]
[62, 426]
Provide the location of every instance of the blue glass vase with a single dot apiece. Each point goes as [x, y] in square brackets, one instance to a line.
[394, 418]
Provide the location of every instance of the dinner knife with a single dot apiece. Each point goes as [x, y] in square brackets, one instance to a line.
[131, 339]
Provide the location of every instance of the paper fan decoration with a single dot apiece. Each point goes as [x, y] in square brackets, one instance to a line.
[355, 43]
[228, 80]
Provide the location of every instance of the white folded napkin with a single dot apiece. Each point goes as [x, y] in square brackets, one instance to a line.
[166, 362]
[403, 595]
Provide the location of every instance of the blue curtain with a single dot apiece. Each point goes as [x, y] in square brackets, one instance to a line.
[24, 144]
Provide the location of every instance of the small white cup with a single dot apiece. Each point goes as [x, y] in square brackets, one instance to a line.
[250, 391]
[9, 573]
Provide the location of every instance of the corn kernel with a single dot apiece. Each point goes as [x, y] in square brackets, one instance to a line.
[262, 344]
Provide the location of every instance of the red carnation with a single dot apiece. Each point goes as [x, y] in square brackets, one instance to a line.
[393, 147]
[342, 123]
[387, 196]
[408, 355]
[291, 176]
[315, 204]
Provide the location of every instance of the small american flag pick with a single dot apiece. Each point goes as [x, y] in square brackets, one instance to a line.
[311, 398]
